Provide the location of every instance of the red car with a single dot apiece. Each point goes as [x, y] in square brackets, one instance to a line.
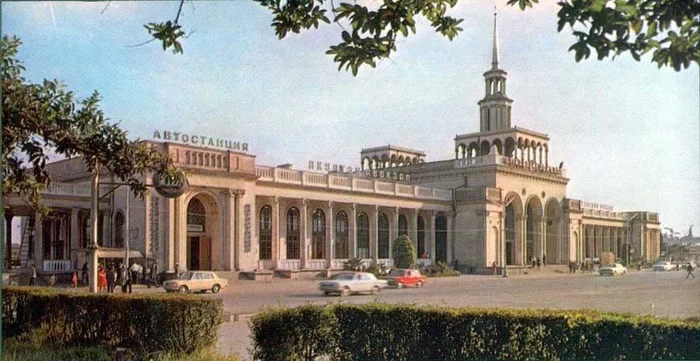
[405, 277]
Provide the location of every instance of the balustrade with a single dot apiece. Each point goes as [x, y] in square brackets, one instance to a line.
[57, 265]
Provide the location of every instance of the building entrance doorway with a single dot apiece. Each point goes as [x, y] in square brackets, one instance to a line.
[199, 253]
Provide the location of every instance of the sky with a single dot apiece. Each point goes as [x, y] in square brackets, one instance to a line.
[628, 132]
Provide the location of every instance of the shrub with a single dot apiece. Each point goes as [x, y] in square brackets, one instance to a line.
[408, 332]
[174, 323]
[403, 252]
[353, 264]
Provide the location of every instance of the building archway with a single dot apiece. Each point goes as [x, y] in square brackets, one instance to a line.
[554, 248]
[383, 241]
[362, 236]
[533, 229]
[341, 235]
[318, 235]
[514, 229]
[203, 233]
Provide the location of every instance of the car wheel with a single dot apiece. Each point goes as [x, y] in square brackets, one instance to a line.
[345, 292]
[399, 285]
[183, 289]
[215, 289]
[375, 290]
[327, 293]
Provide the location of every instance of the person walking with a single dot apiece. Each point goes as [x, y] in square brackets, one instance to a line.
[544, 260]
[177, 270]
[494, 266]
[538, 262]
[85, 278]
[154, 274]
[134, 272]
[110, 280]
[126, 279]
[32, 276]
[101, 280]
[533, 259]
[74, 280]
[690, 271]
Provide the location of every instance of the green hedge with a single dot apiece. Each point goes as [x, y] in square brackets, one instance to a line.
[174, 323]
[405, 332]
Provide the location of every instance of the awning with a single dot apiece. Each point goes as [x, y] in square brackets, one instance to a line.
[118, 253]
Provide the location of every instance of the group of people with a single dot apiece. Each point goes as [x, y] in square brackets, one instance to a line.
[108, 278]
[536, 262]
[586, 266]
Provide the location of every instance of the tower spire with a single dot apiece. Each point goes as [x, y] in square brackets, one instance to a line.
[494, 61]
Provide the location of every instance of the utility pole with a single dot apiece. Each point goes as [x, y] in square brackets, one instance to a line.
[92, 248]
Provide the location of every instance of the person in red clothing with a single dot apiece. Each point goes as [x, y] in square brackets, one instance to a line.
[102, 279]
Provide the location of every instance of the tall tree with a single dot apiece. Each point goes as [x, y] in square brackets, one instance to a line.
[668, 28]
[44, 118]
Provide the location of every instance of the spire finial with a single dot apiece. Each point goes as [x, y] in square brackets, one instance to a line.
[494, 60]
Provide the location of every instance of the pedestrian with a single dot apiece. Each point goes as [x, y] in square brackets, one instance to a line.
[101, 280]
[110, 280]
[690, 271]
[74, 280]
[139, 273]
[154, 273]
[85, 278]
[52, 280]
[544, 260]
[126, 280]
[533, 259]
[538, 262]
[134, 272]
[494, 266]
[177, 270]
[32, 276]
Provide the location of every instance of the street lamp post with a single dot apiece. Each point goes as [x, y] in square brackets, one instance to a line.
[92, 248]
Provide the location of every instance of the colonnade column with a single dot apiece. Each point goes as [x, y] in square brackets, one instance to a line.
[304, 224]
[543, 241]
[450, 236]
[170, 249]
[523, 245]
[181, 233]
[352, 252]
[394, 232]
[432, 234]
[74, 237]
[374, 238]
[414, 231]
[330, 235]
[277, 245]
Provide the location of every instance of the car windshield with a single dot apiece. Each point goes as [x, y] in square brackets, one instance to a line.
[186, 276]
[396, 272]
[344, 276]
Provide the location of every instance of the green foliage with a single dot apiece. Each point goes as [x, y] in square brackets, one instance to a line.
[39, 119]
[408, 332]
[403, 252]
[353, 264]
[671, 29]
[439, 269]
[297, 334]
[610, 27]
[174, 323]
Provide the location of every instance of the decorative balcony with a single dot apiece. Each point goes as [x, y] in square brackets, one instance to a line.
[349, 182]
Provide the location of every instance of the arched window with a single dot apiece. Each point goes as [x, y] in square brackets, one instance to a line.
[441, 239]
[403, 225]
[362, 235]
[530, 224]
[119, 230]
[341, 235]
[421, 237]
[293, 233]
[383, 241]
[196, 216]
[265, 232]
[318, 234]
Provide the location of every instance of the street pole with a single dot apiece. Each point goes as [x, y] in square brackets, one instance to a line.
[92, 249]
[126, 239]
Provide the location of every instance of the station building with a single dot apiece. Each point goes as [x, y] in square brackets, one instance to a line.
[500, 199]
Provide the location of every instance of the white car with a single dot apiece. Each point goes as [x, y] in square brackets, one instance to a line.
[352, 282]
[191, 281]
[612, 270]
[663, 266]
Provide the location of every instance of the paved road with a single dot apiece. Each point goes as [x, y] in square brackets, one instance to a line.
[667, 294]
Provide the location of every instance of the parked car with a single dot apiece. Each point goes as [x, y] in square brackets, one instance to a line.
[193, 281]
[405, 277]
[352, 282]
[612, 270]
[663, 266]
